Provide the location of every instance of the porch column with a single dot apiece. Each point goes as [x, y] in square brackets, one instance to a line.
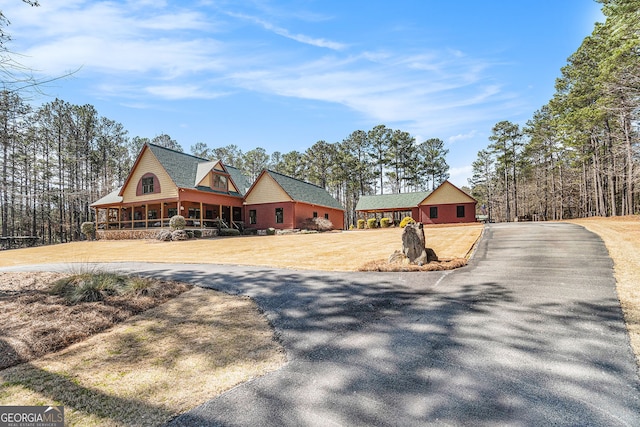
[201, 216]
[161, 215]
[146, 216]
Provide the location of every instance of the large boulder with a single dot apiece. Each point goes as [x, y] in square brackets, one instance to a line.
[413, 245]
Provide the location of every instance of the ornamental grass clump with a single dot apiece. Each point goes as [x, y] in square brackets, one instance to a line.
[97, 286]
[385, 222]
[88, 287]
[361, 224]
[317, 224]
[372, 223]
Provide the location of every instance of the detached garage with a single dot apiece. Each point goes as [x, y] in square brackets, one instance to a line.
[447, 204]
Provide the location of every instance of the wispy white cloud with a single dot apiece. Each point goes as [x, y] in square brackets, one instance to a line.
[462, 136]
[302, 38]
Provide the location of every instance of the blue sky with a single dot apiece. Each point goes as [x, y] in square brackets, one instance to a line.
[283, 75]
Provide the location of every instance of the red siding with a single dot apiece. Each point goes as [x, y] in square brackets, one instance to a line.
[266, 215]
[294, 215]
[447, 214]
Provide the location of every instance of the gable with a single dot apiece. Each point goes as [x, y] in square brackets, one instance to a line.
[447, 193]
[301, 191]
[266, 190]
[148, 164]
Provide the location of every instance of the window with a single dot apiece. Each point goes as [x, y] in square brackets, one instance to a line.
[326, 216]
[219, 182]
[152, 214]
[172, 212]
[253, 217]
[147, 185]
[433, 212]
[315, 214]
[194, 213]
[460, 211]
[279, 215]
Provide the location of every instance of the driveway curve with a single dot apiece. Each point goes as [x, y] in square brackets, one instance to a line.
[529, 333]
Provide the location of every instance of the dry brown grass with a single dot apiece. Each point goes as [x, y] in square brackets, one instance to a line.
[336, 251]
[621, 235]
[152, 367]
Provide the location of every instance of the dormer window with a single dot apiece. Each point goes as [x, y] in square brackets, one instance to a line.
[219, 182]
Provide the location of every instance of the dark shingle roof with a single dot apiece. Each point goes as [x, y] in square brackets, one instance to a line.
[182, 168]
[391, 201]
[304, 191]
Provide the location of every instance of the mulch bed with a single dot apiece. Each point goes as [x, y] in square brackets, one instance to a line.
[385, 266]
[34, 323]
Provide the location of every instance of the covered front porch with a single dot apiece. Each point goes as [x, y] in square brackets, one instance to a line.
[151, 215]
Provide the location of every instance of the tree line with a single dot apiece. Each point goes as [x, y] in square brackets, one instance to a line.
[59, 158]
[579, 154]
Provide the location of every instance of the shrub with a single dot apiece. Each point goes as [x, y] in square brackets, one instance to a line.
[228, 232]
[271, 231]
[250, 231]
[179, 235]
[88, 229]
[385, 223]
[372, 223]
[317, 224]
[177, 222]
[164, 235]
[197, 234]
[406, 220]
[351, 227]
[189, 233]
[361, 223]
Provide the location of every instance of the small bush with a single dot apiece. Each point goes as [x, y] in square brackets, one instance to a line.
[372, 223]
[229, 232]
[271, 231]
[189, 234]
[361, 223]
[88, 229]
[164, 235]
[179, 235]
[406, 220]
[317, 224]
[197, 234]
[177, 222]
[250, 231]
[352, 227]
[385, 223]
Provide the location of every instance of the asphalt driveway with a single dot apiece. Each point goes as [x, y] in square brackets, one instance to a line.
[530, 333]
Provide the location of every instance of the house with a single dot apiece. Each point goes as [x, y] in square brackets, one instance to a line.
[163, 183]
[445, 205]
[209, 194]
[279, 201]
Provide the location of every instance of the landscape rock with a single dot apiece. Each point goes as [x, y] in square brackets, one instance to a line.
[413, 245]
[398, 258]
